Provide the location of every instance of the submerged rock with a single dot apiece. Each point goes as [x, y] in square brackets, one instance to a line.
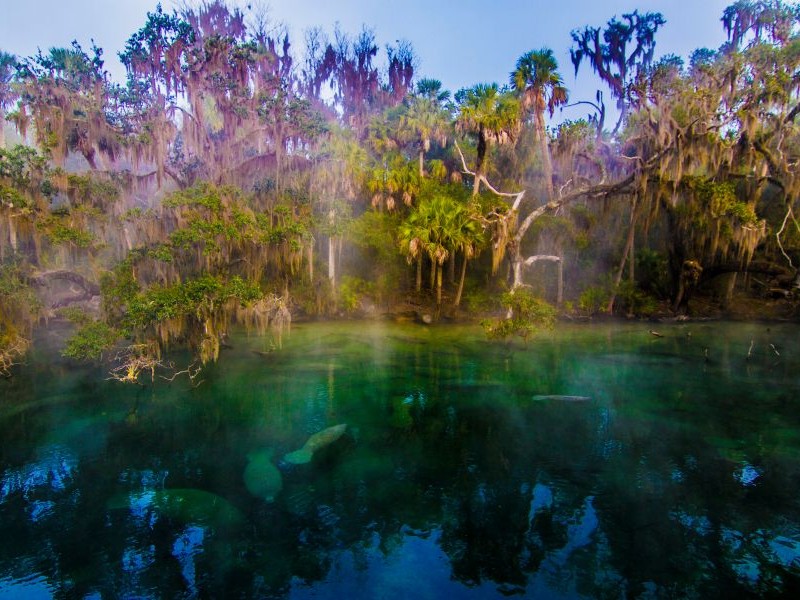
[316, 442]
[261, 477]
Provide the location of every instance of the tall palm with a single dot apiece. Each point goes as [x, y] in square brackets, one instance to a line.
[426, 119]
[490, 114]
[540, 87]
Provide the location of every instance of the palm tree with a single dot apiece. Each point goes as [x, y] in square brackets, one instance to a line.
[439, 227]
[540, 88]
[466, 237]
[426, 118]
[491, 115]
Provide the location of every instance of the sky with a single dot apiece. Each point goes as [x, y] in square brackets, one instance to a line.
[460, 43]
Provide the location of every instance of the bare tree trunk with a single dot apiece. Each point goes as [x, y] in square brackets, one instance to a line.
[421, 162]
[12, 233]
[544, 149]
[728, 286]
[451, 268]
[332, 260]
[419, 273]
[480, 160]
[311, 263]
[625, 253]
[461, 281]
[339, 248]
[438, 286]
[632, 261]
[560, 293]
[518, 263]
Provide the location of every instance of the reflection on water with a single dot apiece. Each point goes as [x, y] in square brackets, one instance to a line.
[595, 462]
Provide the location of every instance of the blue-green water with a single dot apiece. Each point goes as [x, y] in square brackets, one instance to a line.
[462, 474]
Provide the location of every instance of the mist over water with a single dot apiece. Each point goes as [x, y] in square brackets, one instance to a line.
[596, 461]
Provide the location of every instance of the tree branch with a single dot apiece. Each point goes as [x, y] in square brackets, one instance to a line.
[541, 257]
[516, 195]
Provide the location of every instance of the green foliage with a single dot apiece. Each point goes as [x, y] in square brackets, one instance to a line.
[720, 199]
[632, 300]
[24, 175]
[219, 217]
[162, 252]
[529, 314]
[376, 231]
[74, 314]
[652, 272]
[60, 230]
[351, 290]
[438, 227]
[19, 310]
[118, 288]
[192, 297]
[594, 299]
[90, 341]
[479, 300]
[88, 189]
[575, 134]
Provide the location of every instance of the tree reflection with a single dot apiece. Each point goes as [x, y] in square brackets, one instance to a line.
[451, 469]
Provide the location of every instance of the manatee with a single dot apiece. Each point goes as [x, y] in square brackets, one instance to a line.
[262, 478]
[316, 442]
[562, 398]
[185, 505]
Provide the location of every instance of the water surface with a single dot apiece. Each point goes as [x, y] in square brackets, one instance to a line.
[595, 462]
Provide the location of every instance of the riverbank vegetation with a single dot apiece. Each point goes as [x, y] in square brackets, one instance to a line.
[240, 177]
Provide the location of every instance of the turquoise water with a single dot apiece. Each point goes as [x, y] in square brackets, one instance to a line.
[596, 462]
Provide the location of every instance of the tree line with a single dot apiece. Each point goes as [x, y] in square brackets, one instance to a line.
[234, 179]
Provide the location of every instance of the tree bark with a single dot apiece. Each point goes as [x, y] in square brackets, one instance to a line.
[332, 260]
[461, 281]
[438, 286]
[419, 273]
[544, 150]
[625, 253]
[479, 163]
[560, 292]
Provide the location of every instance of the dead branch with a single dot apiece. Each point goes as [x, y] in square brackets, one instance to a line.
[789, 213]
[541, 257]
[10, 353]
[516, 195]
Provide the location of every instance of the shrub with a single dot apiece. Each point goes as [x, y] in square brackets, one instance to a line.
[529, 314]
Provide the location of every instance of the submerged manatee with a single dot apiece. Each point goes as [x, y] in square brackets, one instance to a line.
[316, 442]
[262, 478]
[185, 505]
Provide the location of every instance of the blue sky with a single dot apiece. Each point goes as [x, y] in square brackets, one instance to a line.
[460, 43]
